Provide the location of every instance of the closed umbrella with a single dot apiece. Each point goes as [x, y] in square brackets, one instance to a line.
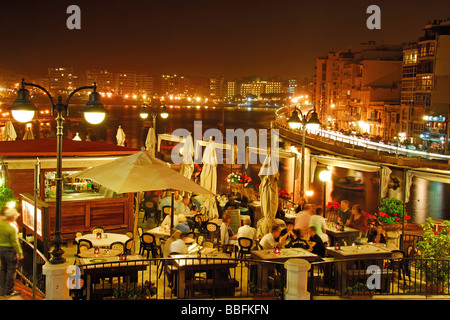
[150, 141]
[208, 179]
[269, 194]
[28, 135]
[9, 133]
[187, 166]
[138, 173]
[120, 137]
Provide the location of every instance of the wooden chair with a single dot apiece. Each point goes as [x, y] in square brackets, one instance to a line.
[97, 229]
[165, 211]
[208, 244]
[200, 238]
[245, 246]
[397, 262]
[128, 246]
[258, 245]
[213, 232]
[148, 243]
[83, 245]
[117, 246]
[140, 231]
[77, 235]
[150, 208]
[129, 234]
[198, 223]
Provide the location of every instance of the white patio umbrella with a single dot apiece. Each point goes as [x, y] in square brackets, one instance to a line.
[187, 166]
[269, 194]
[139, 172]
[9, 133]
[150, 141]
[120, 137]
[28, 135]
[208, 180]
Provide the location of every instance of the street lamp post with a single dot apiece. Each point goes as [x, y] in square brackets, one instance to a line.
[310, 120]
[145, 112]
[23, 110]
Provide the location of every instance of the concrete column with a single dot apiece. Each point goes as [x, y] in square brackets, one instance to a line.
[393, 237]
[56, 281]
[296, 279]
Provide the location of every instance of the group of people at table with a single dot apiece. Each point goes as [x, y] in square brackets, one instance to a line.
[308, 230]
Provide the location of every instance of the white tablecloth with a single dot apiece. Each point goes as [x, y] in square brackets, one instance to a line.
[104, 241]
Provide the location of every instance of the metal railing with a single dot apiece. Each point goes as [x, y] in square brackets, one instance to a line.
[182, 278]
[25, 267]
[366, 144]
[396, 276]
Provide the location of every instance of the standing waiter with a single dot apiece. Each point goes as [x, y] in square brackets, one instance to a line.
[10, 252]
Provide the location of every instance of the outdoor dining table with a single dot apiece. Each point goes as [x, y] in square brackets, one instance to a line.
[103, 252]
[107, 266]
[263, 270]
[215, 265]
[346, 266]
[161, 232]
[290, 214]
[345, 234]
[106, 239]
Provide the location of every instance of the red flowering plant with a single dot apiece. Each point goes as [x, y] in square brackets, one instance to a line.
[197, 168]
[390, 212]
[283, 194]
[333, 206]
[434, 249]
[237, 178]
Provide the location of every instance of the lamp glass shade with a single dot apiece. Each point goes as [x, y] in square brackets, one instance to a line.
[164, 114]
[294, 121]
[23, 115]
[23, 109]
[313, 122]
[94, 117]
[325, 175]
[144, 113]
[94, 112]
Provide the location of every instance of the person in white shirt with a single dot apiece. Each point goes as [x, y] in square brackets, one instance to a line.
[183, 208]
[166, 221]
[167, 200]
[269, 240]
[179, 246]
[227, 236]
[247, 231]
[318, 221]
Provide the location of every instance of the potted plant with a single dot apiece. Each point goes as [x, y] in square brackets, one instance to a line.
[434, 250]
[6, 196]
[360, 291]
[238, 178]
[390, 215]
[264, 293]
[284, 196]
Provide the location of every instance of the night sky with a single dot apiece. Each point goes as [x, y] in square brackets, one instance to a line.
[233, 38]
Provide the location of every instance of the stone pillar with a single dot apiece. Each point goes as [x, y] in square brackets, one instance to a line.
[56, 281]
[393, 237]
[296, 279]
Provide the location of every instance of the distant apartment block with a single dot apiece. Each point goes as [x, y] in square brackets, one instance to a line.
[425, 94]
[103, 78]
[358, 89]
[133, 83]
